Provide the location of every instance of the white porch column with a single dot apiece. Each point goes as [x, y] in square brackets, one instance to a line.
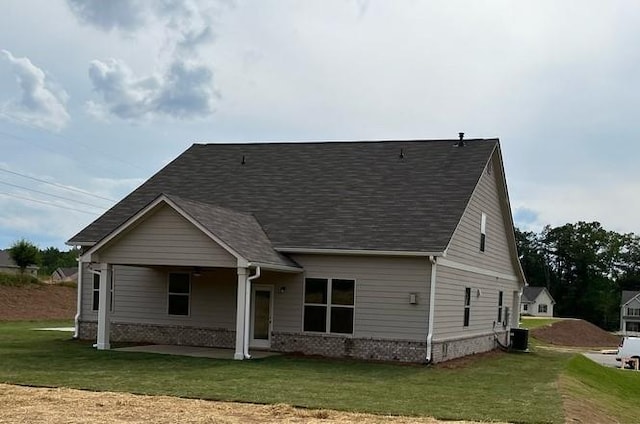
[104, 307]
[240, 313]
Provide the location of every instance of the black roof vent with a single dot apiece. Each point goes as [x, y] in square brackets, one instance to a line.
[460, 142]
[401, 153]
[243, 161]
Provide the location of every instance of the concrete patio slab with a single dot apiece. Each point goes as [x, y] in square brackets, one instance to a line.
[200, 352]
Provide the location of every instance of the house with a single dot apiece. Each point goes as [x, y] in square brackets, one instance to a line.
[65, 274]
[537, 302]
[386, 250]
[630, 313]
[8, 266]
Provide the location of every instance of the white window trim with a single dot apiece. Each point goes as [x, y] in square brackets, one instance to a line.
[329, 305]
[546, 308]
[169, 294]
[483, 232]
[95, 291]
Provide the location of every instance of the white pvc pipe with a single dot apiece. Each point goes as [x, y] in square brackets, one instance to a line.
[76, 333]
[247, 312]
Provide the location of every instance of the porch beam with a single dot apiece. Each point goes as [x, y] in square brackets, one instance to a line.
[240, 313]
[104, 307]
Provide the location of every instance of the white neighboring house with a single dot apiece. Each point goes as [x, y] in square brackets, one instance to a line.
[537, 302]
[630, 313]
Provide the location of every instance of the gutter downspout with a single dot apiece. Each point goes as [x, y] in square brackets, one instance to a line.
[432, 304]
[247, 312]
[76, 319]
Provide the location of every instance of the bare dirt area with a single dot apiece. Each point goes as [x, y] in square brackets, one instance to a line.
[576, 333]
[35, 302]
[43, 405]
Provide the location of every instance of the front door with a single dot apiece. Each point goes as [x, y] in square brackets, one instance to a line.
[261, 316]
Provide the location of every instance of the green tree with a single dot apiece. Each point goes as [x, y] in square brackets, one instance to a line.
[52, 258]
[24, 254]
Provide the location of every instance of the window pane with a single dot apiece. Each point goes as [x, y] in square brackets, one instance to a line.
[342, 292]
[96, 300]
[96, 281]
[262, 305]
[466, 316]
[178, 304]
[467, 296]
[315, 290]
[178, 283]
[315, 318]
[342, 320]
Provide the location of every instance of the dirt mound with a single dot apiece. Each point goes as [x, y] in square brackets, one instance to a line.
[37, 302]
[575, 332]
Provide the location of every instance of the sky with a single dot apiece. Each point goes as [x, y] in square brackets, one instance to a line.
[96, 96]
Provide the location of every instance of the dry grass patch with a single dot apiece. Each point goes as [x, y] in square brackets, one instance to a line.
[44, 405]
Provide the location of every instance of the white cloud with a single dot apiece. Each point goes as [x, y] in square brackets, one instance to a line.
[42, 103]
[185, 91]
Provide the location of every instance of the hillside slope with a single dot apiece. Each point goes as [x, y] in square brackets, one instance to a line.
[37, 302]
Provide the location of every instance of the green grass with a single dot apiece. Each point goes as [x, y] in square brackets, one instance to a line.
[509, 387]
[532, 323]
[612, 390]
[13, 280]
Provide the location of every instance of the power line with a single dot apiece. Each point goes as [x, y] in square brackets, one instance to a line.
[53, 195]
[58, 185]
[47, 203]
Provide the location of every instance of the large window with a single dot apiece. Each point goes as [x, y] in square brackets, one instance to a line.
[542, 308]
[179, 293]
[329, 305]
[633, 312]
[96, 292]
[467, 306]
[633, 327]
[500, 299]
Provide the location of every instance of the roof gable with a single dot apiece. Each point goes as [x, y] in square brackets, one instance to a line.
[530, 294]
[628, 296]
[389, 195]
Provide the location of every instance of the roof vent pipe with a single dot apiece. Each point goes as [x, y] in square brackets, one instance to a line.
[401, 153]
[243, 161]
[460, 143]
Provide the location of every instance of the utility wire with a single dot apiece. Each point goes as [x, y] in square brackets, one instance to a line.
[47, 203]
[58, 185]
[53, 195]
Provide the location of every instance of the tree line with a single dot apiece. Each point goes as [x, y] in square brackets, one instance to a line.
[25, 254]
[585, 268]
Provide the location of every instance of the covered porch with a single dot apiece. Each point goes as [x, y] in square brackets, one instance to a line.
[194, 274]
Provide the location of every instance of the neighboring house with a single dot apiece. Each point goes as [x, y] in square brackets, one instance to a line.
[537, 302]
[630, 313]
[390, 250]
[65, 274]
[8, 266]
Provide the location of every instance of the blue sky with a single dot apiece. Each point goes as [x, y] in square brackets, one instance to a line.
[97, 96]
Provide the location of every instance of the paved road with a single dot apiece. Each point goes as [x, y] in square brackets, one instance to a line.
[607, 360]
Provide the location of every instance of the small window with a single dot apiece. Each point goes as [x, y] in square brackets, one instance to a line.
[525, 307]
[483, 231]
[96, 292]
[467, 306]
[542, 309]
[500, 295]
[329, 305]
[633, 327]
[179, 293]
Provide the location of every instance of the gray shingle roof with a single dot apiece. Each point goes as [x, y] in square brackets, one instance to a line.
[7, 262]
[240, 231]
[627, 295]
[386, 195]
[530, 294]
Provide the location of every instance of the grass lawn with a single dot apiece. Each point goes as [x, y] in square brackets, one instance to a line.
[506, 387]
[612, 390]
[532, 323]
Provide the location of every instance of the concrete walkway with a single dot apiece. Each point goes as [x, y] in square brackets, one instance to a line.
[200, 352]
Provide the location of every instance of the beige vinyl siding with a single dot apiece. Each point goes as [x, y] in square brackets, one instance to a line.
[141, 295]
[287, 306]
[165, 238]
[449, 309]
[382, 288]
[465, 244]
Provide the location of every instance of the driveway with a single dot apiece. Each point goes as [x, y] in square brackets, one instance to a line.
[605, 359]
